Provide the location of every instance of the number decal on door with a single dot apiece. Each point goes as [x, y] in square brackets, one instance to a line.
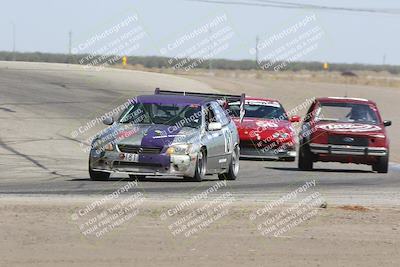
[228, 140]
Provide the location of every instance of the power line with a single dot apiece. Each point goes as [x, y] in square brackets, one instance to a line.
[292, 5]
[312, 6]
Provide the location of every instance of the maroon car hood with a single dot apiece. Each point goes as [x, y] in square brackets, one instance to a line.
[349, 128]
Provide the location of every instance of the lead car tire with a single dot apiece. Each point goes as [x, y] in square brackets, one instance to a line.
[98, 176]
[201, 167]
[305, 158]
[382, 165]
[233, 167]
[137, 177]
[289, 159]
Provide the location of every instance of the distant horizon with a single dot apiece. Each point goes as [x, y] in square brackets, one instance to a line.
[244, 59]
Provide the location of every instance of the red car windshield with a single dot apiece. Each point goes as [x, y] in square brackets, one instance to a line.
[346, 112]
[258, 111]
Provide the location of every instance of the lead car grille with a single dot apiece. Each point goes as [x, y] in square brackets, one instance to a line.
[135, 164]
[139, 149]
[347, 140]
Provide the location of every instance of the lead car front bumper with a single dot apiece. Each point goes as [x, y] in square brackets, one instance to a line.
[348, 150]
[147, 165]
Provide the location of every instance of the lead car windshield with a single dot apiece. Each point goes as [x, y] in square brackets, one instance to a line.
[347, 112]
[167, 114]
[275, 111]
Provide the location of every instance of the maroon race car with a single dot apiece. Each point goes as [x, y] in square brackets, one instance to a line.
[265, 130]
[346, 130]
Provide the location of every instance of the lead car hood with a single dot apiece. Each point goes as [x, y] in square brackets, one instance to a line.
[155, 135]
[350, 128]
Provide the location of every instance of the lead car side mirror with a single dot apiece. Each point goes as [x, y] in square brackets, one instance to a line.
[387, 123]
[214, 126]
[108, 121]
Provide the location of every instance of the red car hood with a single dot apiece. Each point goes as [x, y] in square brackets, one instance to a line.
[250, 128]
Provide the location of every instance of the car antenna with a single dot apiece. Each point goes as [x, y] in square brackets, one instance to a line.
[345, 95]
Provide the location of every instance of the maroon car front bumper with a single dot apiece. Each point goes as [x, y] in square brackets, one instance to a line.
[348, 150]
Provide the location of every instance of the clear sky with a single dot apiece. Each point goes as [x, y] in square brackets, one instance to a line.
[43, 25]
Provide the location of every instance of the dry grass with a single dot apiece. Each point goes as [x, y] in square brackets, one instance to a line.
[354, 208]
[369, 78]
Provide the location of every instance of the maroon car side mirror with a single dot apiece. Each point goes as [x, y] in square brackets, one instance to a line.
[387, 123]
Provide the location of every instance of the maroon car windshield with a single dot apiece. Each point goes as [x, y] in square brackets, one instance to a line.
[346, 112]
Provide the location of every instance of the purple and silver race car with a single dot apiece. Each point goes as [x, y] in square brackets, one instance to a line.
[167, 135]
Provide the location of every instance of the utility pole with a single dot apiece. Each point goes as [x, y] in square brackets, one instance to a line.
[209, 58]
[384, 59]
[257, 40]
[69, 60]
[70, 43]
[14, 41]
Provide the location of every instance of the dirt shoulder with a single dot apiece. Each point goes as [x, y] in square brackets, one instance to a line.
[43, 232]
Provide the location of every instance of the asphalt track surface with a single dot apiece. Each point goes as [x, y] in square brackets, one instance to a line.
[42, 104]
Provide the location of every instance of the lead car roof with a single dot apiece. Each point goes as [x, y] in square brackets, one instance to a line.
[172, 99]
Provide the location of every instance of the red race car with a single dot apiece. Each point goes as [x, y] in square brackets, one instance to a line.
[265, 131]
[346, 130]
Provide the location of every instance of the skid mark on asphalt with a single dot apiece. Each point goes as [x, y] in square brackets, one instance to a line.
[21, 141]
[74, 140]
[7, 109]
[62, 85]
[35, 162]
[32, 160]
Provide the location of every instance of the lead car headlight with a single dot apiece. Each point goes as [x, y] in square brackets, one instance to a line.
[108, 147]
[99, 144]
[179, 149]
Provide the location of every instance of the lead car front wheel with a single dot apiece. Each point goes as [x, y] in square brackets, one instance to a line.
[137, 177]
[201, 167]
[233, 170]
[98, 176]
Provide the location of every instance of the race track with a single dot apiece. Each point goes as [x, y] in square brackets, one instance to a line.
[42, 104]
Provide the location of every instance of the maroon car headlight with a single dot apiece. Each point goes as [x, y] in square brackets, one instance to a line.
[377, 140]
